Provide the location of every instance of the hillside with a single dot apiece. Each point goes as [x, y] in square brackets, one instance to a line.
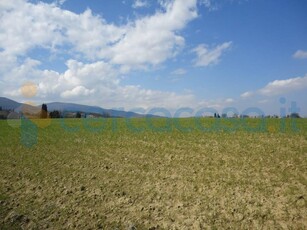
[8, 104]
[72, 107]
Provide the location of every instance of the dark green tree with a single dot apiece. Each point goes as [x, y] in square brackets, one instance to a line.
[44, 111]
[55, 114]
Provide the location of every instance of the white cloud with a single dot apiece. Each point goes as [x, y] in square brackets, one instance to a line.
[60, 2]
[300, 54]
[78, 91]
[247, 94]
[94, 48]
[152, 40]
[27, 26]
[229, 100]
[96, 83]
[92, 75]
[140, 4]
[179, 71]
[135, 96]
[7, 62]
[278, 87]
[149, 40]
[207, 56]
[209, 4]
[216, 103]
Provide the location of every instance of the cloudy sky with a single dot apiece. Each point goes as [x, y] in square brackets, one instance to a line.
[142, 54]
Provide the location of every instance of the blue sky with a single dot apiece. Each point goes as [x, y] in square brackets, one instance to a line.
[171, 54]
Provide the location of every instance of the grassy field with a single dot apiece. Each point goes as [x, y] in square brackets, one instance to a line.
[153, 174]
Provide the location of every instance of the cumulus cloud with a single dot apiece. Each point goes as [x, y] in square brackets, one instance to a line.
[97, 83]
[300, 54]
[279, 87]
[26, 26]
[208, 56]
[152, 40]
[91, 74]
[78, 91]
[140, 4]
[148, 40]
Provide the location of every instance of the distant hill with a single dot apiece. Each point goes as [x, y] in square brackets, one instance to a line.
[72, 107]
[8, 104]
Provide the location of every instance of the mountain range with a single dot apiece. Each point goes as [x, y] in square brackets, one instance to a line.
[8, 104]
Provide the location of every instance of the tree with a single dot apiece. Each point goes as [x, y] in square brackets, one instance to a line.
[55, 114]
[78, 115]
[44, 111]
[295, 115]
[106, 115]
